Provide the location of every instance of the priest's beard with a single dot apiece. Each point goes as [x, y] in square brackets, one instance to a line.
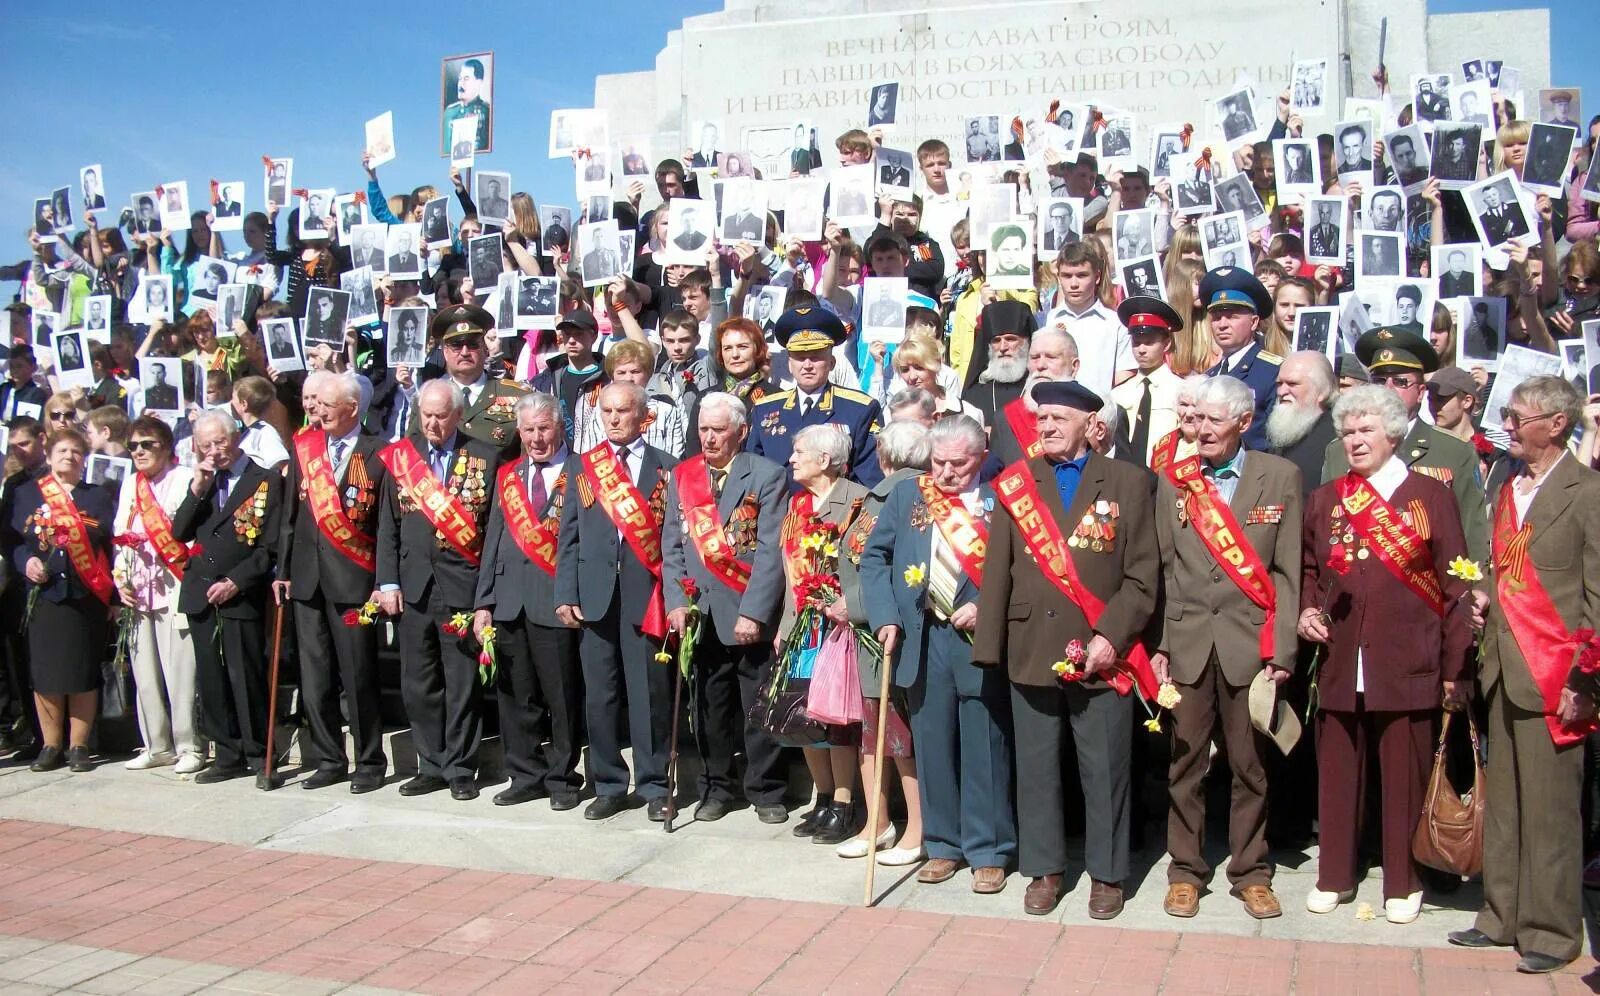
[1288, 423]
[1004, 370]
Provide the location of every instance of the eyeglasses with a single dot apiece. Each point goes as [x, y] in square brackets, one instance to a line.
[1395, 380]
[140, 445]
[462, 345]
[61, 416]
[1511, 420]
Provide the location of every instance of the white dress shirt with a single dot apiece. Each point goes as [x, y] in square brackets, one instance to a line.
[1524, 489]
[1104, 349]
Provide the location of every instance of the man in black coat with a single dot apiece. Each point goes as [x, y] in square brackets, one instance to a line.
[327, 557]
[233, 511]
[430, 541]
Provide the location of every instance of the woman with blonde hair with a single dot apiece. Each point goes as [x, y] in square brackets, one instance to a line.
[1292, 294]
[1442, 335]
[65, 410]
[1193, 349]
[1511, 147]
[919, 363]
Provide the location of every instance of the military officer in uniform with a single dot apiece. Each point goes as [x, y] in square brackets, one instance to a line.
[1072, 571]
[1401, 361]
[1236, 304]
[809, 335]
[491, 412]
[430, 541]
[469, 102]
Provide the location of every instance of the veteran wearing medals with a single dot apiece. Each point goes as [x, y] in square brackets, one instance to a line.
[725, 509]
[1236, 304]
[327, 559]
[231, 513]
[1071, 574]
[1228, 524]
[490, 412]
[434, 503]
[1546, 589]
[920, 576]
[1375, 587]
[1401, 361]
[538, 687]
[608, 582]
[809, 335]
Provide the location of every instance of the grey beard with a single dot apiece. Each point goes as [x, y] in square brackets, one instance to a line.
[1004, 370]
[1288, 424]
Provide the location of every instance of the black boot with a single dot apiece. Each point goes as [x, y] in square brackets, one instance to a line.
[808, 823]
[837, 825]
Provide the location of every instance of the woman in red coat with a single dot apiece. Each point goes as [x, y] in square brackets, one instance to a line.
[1376, 590]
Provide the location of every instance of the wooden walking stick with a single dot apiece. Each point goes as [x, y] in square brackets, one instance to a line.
[266, 781]
[875, 805]
[672, 749]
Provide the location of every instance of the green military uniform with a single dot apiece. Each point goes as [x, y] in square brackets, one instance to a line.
[476, 106]
[1424, 449]
[492, 416]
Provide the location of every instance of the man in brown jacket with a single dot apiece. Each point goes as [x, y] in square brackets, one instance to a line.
[1080, 523]
[1546, 588]
[1228, 525]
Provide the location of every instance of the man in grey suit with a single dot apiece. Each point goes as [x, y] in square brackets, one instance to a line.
[538, 683]
[725, 509]
[960, 721]
[608, 576]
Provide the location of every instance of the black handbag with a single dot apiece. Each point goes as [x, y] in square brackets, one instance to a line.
[780, 712]
[116, 690]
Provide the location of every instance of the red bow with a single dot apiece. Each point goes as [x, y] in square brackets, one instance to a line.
[1099, 120]
[267, 161]
[214, 195]
[1186, 134]
[1204, 161]
[1016, 128]
[160, 190]
[360, 197]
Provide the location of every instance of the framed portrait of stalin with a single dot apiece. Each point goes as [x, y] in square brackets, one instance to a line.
[466, 89]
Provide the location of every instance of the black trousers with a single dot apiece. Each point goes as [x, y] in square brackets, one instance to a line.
[336, 659]
[622, 683]
[1099, 717]
[16, 682]
[727, 681]
[539, 689]
[231, 684]
[439, 685]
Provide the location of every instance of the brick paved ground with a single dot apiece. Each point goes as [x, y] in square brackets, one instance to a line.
[107, 912]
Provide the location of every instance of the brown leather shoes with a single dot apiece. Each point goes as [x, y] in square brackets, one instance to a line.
[1105, 899]
[1043, 894]
[988, 880]
[938, 870]
[1260, 902]
[1183, 899]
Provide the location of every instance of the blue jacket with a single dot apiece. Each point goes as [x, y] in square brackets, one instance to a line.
[1258, 369]
[775, 420]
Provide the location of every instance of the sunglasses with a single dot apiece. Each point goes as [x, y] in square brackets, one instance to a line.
[1395, 380]
[1511, 420]
[61, 416]
[462, 345]
[141, 445]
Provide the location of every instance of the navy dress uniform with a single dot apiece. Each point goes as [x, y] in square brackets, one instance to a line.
[777, 418]
[1232, 287]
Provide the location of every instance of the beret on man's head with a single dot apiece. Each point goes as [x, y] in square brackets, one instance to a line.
[1069, 393]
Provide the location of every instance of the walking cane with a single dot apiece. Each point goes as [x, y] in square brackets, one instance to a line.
[672, 749]
[266, 780]
[875, 800]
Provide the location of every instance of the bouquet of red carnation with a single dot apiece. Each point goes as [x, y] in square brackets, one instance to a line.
[817, 591]
[362, 616]
[1482, 445]
[1070, 668]
[1588, 651]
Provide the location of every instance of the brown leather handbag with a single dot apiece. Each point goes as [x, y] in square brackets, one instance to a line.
[1449, 835]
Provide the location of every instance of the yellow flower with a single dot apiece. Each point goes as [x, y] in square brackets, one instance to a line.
[1064, 667]
[662, 657]
[461, 621]
[916, 574]
[812, 542]
[830, 550]
[1466, 570]
[1153, 724]
[1366, 912]
[487, 636]
[1167, 696]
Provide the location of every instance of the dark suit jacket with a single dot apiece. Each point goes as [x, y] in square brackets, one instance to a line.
[97, 505]
[409, 552]
[1310, 453]
[592, 561]
[223, 554]
[1450, 286]
[1024, 621]
[311, 561]
[1406, 650]
[28, 394]
[509, 584]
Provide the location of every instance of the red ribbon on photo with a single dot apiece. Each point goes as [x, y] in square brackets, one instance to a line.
[266, 161]
[300, 192]
[1054, 111]
[359, 197]
[215, 194]
[1099, 120]
[1186, 134]
[160, 190]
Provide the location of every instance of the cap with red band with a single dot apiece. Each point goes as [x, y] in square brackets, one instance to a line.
[1148, 314]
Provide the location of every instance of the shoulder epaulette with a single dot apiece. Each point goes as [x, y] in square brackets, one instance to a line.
[1269, 357]
[776, 396]
[851, 394]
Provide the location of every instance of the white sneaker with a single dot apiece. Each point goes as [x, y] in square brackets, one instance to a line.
[190, 763]
[856, 847]
[1403, 910]
[146, 759]
[1318, 901]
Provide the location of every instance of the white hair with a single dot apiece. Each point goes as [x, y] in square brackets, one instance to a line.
[635, 393]
[1188, 387]
[721, 401]
[316, 379]
[458, 397]
[218, 418]
[959, 428]
[1318, 371]
[904, 444]
[539, 403]
[829, 441]
[1067, 339]
[1233, 394]
[1375, 400]
[925, 401]
[343, 387]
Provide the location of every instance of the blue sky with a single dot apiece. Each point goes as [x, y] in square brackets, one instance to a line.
[193, 91]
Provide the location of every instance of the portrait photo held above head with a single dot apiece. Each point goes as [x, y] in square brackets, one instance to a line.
[1548, 158]
[1483, 334]
[1498, 215]
[555, 228]
[92, 188]
[1010, 257]
[380, 140]
[407, 338]
[1458, 268]
[174, 203]
[359, 284]
[466, 86]
[316, 214]
[326, 317]
[1325, 230]
[277, 180]
[436, 223]
[882, 102]
[282, 342]
[492, 195]
[1060, 225]
[162, 380]
[538, 302]
[1314, 331]
[599, 252]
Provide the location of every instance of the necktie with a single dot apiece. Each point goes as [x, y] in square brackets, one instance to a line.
[222, 486]
[440, 462]
[1141, 425]
[622, 460]
[805, 408]
[537, 495]
[471, 394]
[719, 480]
[338, 453]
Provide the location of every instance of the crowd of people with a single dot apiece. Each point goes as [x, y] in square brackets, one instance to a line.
[1115, 512]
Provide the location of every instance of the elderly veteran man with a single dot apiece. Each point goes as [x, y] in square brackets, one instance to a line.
[1236, 304]
[430, 543]
[1228, 525]
[608, 583]
[1071, 576]
[920, 575]
[725, 509]
[1541, 701]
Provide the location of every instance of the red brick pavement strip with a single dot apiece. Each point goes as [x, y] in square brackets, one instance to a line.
[446, 930]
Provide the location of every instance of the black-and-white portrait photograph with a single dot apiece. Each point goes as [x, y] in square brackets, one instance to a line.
[1163, 146]
[92, 188]
[327, 312]
[895, 169]
[174, 205]
[1379, 254]
[61, 209]
[635, 160]
[493, 196]
[363, 295]
[1009, 263]
[44, 327]
[1497, 214]
[277, 180]
[1193, 184]
[1297, 167]
[227, 205]
[1572, 366]
[1591, 356]
[146, 214]
[1455, 153]
[403, 252]
[708, 142]
[436, 223]
[804, 153]
[462, 133]
[1383, 209]
[1221, 234]
[71, 357]
[1236, 117]
[744, 211]
[802, 207]
[883, 309]
[983, 139]
[502, 303]
[1060, 225]
[209, 274]
[881, 104]
[690, 224]
[1407, 153]
[764, 306]
[1314, 330]
[351, 212]
[600, 257]
[97, 314]
[573, 128]
[1483, 336]
[466, 92]
[1472, 70]
[1413, 306]
[155, 298]
[595, 209]
[283, 352]
[408, 335]
[161, 377]
[367, 246]
[316, 213]
[853, 202]
[1142, 278]
[1353, 148]
[232, 300]
[1133, 233]
[555, 229]
[1474, 104]
[1116, 141]
[538, 300]
[1560, 106]
[591, 173]
[1459, 269]
[988, 205]
[1308, 89]
[1430, 96]
[102, 469]
[1236, 193]
[485, 261]
[1549, 157]
[1325, 230]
